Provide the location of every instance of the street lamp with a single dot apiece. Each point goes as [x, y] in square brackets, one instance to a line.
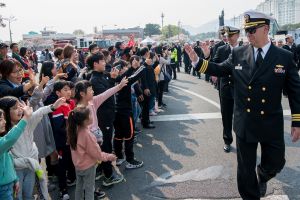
[10, 19]
[179, 23]
[162, 20]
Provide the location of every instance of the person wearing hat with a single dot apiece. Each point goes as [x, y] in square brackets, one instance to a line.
[199, 52]
[226, 85]
[291, 46]
[260, 71]
[3, 52]
[214, 50]
[222, 42]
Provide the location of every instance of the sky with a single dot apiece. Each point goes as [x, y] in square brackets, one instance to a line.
[65, 16]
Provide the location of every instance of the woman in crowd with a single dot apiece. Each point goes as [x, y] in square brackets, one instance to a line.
[11, 81]
[69, 64]
[24, 53]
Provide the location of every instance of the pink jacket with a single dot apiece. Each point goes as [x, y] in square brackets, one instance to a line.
[88, 152]
[96, 102]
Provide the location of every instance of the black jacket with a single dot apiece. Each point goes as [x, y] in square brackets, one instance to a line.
[7, 89]
[258, 114]
[216, 47]
[226, 82]
[123, 97]
[292, 49]
[148, 79]
[100, 83]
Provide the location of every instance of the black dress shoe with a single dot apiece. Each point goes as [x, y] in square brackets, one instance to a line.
[262, 187]
[227, 148]
[149, 126]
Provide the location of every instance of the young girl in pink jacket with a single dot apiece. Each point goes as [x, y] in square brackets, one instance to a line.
[84, 95]
[85, 151]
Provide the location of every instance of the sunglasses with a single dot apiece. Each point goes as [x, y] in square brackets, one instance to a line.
[252, 30]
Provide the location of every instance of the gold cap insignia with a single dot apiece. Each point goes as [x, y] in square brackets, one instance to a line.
[247, 18]
[279, 66]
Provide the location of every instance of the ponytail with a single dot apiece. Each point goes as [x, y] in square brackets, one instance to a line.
[76, 119]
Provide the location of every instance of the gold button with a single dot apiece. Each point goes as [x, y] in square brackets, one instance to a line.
[248, 110]
[248, 99]
[263, 89]
[249, 87]
[263, 101]
[262, 112]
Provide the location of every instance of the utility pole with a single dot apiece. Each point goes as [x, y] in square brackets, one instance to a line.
[162, 20]
[179, 29]
[10, 19]
[102, 30]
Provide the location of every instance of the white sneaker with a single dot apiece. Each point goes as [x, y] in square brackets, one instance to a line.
[152, 113]
[65, 197]
[120, 161]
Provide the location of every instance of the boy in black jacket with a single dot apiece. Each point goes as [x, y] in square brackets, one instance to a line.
[124, 123]
[102, 81]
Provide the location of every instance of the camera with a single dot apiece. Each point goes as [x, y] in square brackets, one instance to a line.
[118, 67]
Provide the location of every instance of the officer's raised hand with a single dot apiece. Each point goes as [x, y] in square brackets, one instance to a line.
[295, 133]
[192, 54]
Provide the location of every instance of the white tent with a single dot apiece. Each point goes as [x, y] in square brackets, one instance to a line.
[148, 40]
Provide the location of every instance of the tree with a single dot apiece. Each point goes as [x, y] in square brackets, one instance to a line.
[78, 32]
[152, 29]
[290, 27]
[172, 30]
[204, 36]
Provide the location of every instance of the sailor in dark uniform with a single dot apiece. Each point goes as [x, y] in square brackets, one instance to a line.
[226, 84]
[222, 42]
[260, 71]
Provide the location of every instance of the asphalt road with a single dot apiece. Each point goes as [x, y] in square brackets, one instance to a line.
[183, 156]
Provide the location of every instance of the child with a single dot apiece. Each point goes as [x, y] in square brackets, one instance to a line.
[9, 179]
[101, 82]
[59, 121]
[24, 151]
[86, 153]
[45, 142]
[124, 125]
[84, 94]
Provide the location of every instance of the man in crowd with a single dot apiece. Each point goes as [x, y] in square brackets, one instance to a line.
[3, 51]
[93, 48]
[260, 72]
[291, 46]
[15, 54]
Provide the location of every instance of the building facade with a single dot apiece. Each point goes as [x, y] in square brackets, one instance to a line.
[284, 11]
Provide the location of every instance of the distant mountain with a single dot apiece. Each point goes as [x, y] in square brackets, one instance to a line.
[211, 26]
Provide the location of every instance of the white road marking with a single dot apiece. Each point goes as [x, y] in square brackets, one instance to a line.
[196, 116]
[198, 95]
[271, 197]
[212, 172]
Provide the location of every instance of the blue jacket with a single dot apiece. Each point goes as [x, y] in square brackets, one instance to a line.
[7, 170]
